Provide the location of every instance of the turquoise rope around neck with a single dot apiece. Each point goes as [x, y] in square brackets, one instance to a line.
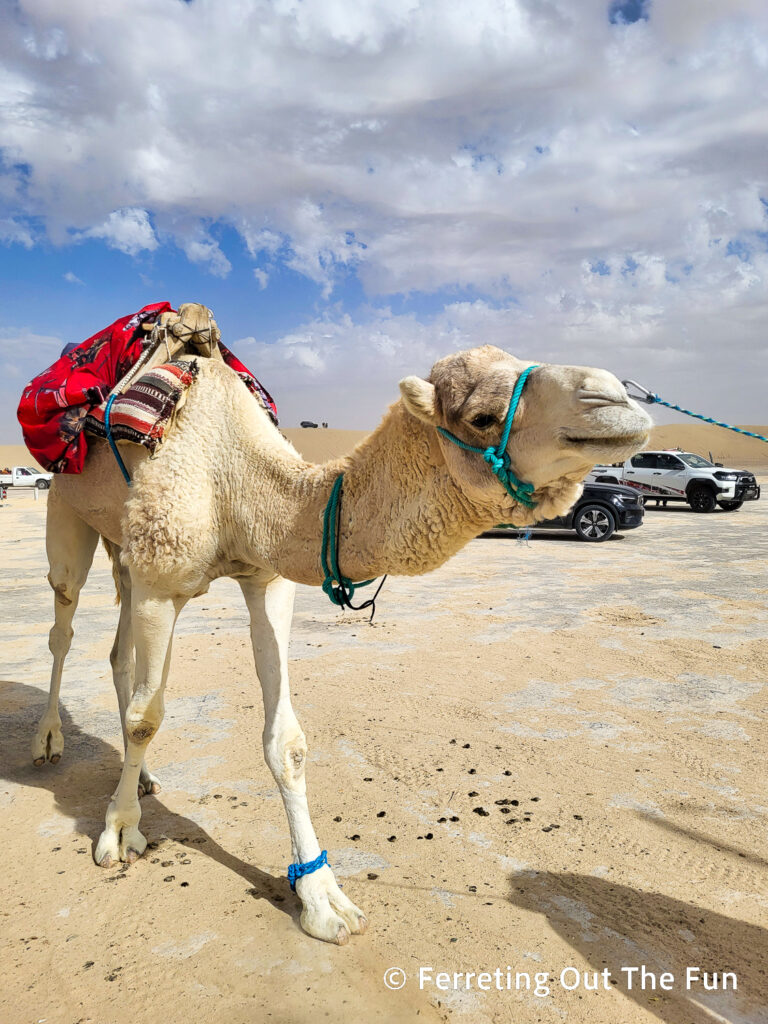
[340, 589]
[497, 457]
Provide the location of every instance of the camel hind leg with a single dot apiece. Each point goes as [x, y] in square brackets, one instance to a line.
[122, 659]
[70, 544]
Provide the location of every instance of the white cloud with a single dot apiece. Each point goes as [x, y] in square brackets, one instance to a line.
[485, 144]
[203, 249]
[12, 231]
[346, 372]
[128, 230]
[71, 278]
[262, 277]
[23, 354]
[605, 184]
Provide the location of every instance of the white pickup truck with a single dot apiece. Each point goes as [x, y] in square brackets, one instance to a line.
[25, 476]
[675, 475]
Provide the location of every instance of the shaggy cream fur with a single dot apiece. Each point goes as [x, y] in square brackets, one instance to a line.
[227, 495]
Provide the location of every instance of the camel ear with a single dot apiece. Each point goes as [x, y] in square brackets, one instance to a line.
[419, 398]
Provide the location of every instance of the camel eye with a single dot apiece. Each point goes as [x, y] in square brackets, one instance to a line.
[483, 421]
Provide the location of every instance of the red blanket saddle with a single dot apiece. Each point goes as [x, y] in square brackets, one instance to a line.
[63, 400]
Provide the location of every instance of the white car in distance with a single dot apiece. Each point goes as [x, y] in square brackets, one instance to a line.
[675, 475]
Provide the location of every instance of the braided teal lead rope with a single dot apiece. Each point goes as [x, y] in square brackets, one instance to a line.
[708, 419]
[497, 457]
[650, 399]
[340, 589]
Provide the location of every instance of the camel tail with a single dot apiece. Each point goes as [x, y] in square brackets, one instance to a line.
[113, 553]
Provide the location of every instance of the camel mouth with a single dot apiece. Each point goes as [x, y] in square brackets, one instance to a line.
[634, 440]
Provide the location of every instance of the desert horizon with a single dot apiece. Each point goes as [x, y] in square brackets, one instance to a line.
[321, 444]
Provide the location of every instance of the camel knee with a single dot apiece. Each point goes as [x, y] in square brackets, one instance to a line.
[61, 592]
[296, 755]
[66, 589]
[286, 756]
[143, 718]
[141, 728]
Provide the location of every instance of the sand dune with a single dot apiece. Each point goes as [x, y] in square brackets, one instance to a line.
[318, 445]
[726, 446]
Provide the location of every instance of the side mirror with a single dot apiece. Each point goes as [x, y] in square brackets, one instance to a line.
[718, 463]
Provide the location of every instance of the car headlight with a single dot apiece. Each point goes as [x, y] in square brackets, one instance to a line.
[726, 476]
[631, 500]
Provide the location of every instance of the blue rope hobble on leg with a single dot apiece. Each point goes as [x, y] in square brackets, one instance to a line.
[297, 871]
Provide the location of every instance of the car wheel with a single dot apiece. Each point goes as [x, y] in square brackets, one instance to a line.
[701, 499]
[730, 506]
[593, 522]
[42, 485]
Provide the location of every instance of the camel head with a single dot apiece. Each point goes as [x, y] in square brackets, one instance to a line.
[568, 419]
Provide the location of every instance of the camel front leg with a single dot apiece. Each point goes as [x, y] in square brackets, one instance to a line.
[327, 913]
[154, 617]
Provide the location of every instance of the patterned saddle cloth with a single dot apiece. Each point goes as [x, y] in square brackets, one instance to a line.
[145, 410]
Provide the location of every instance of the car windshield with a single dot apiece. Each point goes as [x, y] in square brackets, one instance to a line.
[694, 460]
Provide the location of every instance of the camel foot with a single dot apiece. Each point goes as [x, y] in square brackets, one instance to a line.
[47, 743]
[328, 914]
[148, 783]
[126, 844]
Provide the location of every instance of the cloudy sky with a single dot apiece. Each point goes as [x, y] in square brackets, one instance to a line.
[359, 188]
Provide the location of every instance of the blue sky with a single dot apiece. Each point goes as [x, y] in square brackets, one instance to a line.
[356, 190]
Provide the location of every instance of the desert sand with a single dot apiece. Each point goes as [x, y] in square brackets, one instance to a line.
[544, 755]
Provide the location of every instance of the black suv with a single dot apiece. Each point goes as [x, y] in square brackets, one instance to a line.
[600, 511]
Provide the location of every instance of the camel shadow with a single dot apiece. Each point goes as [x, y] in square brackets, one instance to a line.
[720, 845]
[554, 535]
[614, 926]
[83, 782]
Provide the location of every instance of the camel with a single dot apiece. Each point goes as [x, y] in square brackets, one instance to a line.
[227, 495]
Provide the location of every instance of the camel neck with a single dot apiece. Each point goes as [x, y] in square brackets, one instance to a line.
[401, 512]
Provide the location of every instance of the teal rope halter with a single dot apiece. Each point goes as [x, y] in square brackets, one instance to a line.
[340, 589]
[497, 458]
[650, 399]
